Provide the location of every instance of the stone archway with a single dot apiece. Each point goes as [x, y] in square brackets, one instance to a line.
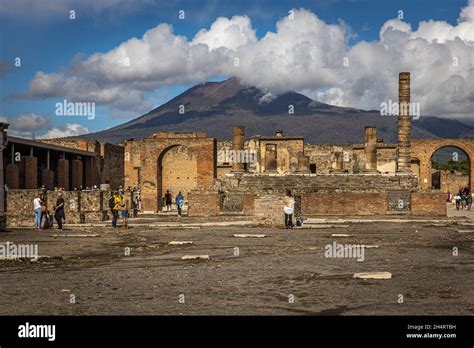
[423, 151]
[176, 171]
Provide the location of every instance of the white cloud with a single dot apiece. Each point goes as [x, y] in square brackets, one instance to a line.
[67, 130]
[228, 33]
[304, 54]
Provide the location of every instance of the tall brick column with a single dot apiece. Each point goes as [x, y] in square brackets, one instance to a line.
[31, 172]
[47, 179]
[77, 173]
[12, 176]
[90, 171]
[63, 173]
[238, 145]
[404, 124]
[370, 148]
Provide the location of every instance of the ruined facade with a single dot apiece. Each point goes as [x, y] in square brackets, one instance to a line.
[174, 161]
[248, 176]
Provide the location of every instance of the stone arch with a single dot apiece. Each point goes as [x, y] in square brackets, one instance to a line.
[423, 150]
[176, 171]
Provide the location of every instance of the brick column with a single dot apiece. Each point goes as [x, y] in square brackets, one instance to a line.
[370, 148]
[31, 172]
[90, 172]
[12, 176]
[404, 124]
[47, 179]
[238, 145]
[77, 173]
[63, 173]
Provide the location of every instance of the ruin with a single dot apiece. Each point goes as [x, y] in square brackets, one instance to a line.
[327, 179]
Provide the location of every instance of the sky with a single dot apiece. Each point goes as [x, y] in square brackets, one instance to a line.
[123, 58]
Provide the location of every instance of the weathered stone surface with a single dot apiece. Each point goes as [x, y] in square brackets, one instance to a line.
[250, 235]
[178, 242]
[373, 275]
[195, 257]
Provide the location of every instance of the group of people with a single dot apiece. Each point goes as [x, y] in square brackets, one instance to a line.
[119, 202]
[42, 213]
[463, 199]
[179, 201]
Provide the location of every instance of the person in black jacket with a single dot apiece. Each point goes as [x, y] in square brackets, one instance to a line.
[59, 211]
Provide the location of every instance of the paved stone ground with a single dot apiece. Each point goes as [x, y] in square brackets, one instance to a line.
[258, 281]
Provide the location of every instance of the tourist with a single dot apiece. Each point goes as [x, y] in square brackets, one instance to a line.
[457, 198]
[179, 203]
[59, 211]
[288, 209]
[125, 207]
[168, 200]
[37, 208]
[114, 204]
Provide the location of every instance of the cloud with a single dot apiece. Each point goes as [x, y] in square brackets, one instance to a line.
[67, 130]
[30, 122]
[60, 9]
[27, 124]
[304, 53]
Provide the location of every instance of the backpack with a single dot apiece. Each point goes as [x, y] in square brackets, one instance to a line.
[112, 202]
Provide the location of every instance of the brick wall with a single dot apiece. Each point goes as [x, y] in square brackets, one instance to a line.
[203, 203]
[269, 210]
[428, 203]
[343, 203]
[91, 204]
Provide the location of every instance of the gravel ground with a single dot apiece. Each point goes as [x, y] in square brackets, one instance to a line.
[263, 279]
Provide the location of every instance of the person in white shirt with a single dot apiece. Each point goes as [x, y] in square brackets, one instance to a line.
[37, 208]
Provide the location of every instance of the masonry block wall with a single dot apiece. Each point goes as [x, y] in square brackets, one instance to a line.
[428, 203]
[344, 203]
[92, 205]
[203, 203]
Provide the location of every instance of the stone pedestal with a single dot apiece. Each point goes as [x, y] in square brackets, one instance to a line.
[238, 145]
[12, 176]
[63, 174]
[370, 149]
[47, 179]
[31, 172]
[303, 163]
[77, 173]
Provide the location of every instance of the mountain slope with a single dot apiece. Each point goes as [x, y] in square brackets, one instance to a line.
[215, 107]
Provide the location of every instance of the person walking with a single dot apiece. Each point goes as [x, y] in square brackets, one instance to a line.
[289, 205]
[179, 203]
[37, 208]
[59, 215]
[168, 200]
[125, 204]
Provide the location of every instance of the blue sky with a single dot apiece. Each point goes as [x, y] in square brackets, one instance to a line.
[47, 40]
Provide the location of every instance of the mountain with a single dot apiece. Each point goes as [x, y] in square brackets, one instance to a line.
[214, 107]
